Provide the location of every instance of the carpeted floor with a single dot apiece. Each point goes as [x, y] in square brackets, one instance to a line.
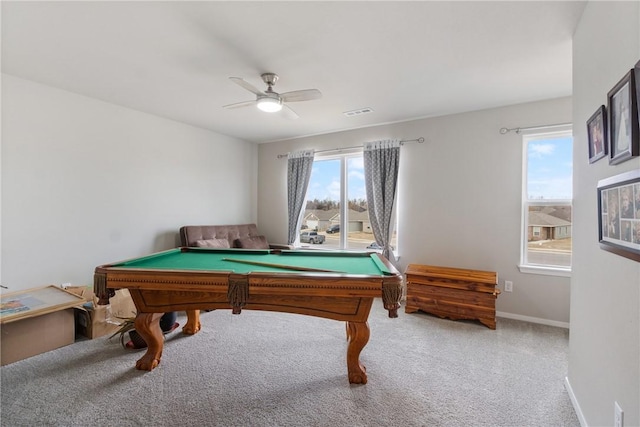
[274, 369]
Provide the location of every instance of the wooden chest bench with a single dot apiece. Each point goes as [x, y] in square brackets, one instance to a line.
[453, 293]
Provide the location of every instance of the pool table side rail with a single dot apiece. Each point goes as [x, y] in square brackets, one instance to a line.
[239, 289]
[111, 278]
[387, 285]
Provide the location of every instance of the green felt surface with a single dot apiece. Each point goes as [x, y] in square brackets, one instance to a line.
[209, 259]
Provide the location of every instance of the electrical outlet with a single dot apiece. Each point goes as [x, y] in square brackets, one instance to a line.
[508, 286]
[618, 420]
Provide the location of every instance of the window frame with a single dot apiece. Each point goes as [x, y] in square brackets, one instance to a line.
[524, 265]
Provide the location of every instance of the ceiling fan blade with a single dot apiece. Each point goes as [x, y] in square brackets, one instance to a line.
[239, 104]
[289, 113]
[301, 95]
[248, 86]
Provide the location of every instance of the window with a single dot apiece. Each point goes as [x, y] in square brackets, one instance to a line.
[336, 205]
[547, 203]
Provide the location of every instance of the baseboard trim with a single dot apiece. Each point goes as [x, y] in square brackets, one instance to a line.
[533, 319]
[574, 402]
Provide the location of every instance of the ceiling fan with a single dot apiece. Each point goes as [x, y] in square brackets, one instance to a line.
[271, 101]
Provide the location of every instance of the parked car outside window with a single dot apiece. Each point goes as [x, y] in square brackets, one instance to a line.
[376, 246]
[311, 237]
[333, 229]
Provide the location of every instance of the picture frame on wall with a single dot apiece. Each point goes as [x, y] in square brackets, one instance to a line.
[636, 72]
[619, 214]
[597, 135]
[623, 120]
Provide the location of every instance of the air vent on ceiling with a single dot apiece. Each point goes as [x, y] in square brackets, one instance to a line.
[359, 112]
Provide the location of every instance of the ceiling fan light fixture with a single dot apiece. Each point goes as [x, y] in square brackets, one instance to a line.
[270, 101]
[269, 105]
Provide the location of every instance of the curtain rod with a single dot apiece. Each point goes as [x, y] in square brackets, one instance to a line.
[518, 130]
[406, 141]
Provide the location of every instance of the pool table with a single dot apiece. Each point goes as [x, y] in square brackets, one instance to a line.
[333, 285]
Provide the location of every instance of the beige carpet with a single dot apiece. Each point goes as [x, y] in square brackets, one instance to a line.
[274, 369]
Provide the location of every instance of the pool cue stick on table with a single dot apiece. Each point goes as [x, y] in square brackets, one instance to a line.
[283, 266]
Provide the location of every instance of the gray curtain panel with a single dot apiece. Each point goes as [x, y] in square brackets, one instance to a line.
[381, 163]
[298, 174]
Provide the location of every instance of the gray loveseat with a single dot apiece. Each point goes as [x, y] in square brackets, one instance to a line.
[226, 236]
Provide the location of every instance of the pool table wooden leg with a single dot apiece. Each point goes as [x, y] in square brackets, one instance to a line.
[193, 322]
[358, 334]
[148, 326]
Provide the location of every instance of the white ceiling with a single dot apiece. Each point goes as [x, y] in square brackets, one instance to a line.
[405, 60]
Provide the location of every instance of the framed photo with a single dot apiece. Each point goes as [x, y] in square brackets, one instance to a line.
[597, 134]
[619, 214]
[623, 120]
[35, 302]
[636, 72]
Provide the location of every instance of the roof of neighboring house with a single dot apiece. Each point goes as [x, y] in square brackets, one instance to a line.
[358, 216]
[542, 219]
[322, 215]
[334, 215]
[562, 212]
[308, 215]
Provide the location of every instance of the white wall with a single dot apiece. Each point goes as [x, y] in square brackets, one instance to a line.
[604, 360]
[459, 196]
[85, 183]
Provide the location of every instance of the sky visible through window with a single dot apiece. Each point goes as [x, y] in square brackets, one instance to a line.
[550, 168]
[325, 179]
[549, 173]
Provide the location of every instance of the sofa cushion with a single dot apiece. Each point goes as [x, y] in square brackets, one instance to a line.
[213, 243]
[252, 242]
[190, 234]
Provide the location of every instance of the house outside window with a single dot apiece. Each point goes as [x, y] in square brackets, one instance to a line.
[547, 202]
[536, 232]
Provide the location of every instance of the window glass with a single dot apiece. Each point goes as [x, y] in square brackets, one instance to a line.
[547, 200]
[336, 207]
[322, 209]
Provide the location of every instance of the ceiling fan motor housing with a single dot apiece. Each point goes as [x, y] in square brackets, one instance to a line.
[269, 78]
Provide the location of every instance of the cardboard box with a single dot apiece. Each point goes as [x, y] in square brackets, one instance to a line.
[34, 335]
[36, 320]
[93, 323]
[94, 320]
